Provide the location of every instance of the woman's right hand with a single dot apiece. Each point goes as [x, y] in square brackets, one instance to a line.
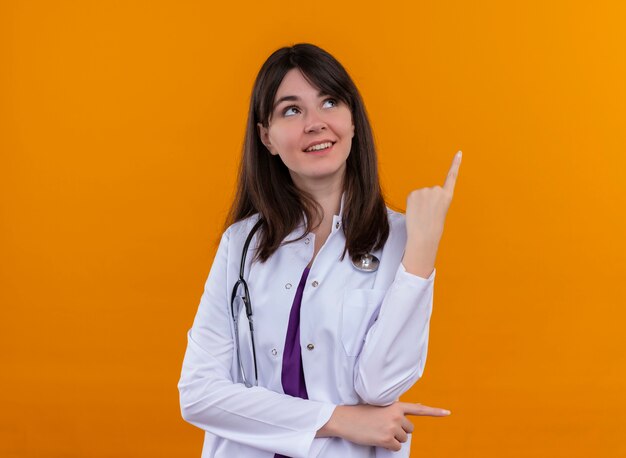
[376, 426]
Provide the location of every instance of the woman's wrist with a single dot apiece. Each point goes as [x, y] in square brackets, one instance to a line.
[419, 258]
[332, 428]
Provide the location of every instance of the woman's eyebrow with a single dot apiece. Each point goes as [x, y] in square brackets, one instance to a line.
[294, 98]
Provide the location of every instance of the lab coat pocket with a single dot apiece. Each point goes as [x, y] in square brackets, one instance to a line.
[359, 311]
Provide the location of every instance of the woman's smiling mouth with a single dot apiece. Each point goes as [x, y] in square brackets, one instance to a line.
[320, 147]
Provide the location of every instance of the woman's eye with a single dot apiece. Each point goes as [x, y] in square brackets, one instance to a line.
[333, 101]
[288, 111]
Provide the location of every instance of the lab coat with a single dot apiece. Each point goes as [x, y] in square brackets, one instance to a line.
[363, 338]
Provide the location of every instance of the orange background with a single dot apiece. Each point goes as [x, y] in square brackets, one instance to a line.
[121, 125]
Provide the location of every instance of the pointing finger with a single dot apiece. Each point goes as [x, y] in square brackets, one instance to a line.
[452, 173]
[421, 410]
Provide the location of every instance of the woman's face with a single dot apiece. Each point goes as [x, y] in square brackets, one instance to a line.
[301, 118]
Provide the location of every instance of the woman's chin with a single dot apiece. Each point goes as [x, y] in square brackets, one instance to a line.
[305, 179]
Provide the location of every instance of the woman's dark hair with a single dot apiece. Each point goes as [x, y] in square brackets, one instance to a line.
[264, 183]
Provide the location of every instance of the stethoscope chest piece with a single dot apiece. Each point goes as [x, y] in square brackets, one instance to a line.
[367, 263]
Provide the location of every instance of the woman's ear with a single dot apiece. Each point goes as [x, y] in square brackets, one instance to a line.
[265, 138]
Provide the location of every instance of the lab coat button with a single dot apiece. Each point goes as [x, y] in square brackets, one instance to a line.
[274, 351]
[314, 284]
[310, 347]
[307, 240]
[337, 225]
[288, 286]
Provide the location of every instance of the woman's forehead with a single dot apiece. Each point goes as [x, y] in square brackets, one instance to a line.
[293, 83]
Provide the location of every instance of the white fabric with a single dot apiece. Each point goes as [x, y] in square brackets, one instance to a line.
[369, 332]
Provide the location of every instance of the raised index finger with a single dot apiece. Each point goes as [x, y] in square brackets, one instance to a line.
[452, 173]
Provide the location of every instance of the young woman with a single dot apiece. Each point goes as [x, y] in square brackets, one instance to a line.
[339, 286]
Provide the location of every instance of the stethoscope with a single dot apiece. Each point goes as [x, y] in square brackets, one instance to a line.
[366, 263]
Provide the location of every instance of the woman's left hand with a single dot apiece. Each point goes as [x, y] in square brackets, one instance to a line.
[426, 211]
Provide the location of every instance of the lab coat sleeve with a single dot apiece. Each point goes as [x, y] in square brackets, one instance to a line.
[394, 352]
[210, 400]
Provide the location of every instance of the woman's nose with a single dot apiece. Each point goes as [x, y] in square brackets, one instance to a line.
[315, 127]
[314, 123]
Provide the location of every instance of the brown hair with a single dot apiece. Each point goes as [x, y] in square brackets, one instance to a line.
[264, 183]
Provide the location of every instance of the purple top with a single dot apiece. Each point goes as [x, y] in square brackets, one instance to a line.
[293, 374]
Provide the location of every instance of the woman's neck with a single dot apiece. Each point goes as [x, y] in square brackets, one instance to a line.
[326, 192]
[328, 197]
[330, 204]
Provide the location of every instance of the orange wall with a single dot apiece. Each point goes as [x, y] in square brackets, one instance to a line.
[120, 129]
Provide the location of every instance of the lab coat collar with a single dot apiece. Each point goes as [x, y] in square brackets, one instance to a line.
[337, 218]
